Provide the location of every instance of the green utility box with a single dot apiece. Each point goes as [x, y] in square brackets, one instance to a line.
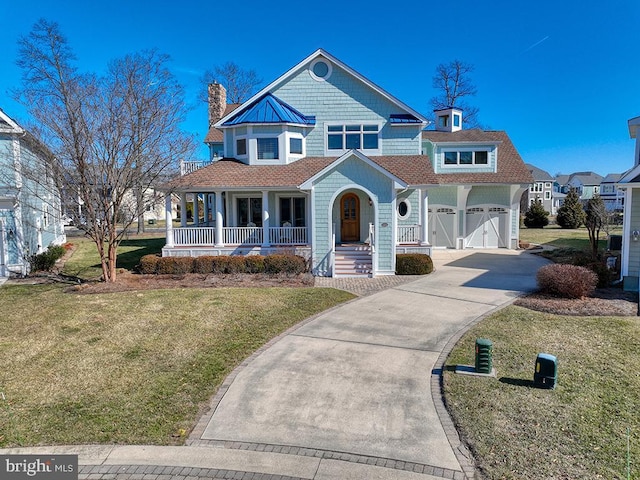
[152, 221]
[484, 355]
[546, 374]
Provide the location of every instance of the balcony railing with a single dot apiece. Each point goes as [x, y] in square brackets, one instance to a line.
[192, 166]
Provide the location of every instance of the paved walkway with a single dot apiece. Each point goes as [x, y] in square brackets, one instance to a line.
[353, 393]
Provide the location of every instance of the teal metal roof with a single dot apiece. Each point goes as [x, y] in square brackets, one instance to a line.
[402, 118]
[270, 109]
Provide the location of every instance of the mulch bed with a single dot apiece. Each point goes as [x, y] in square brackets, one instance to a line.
[604, 302]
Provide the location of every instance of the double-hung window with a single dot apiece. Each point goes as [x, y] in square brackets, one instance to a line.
[353, 136]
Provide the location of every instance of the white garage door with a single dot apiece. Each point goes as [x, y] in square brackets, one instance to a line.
[442, 222]
[486, 227]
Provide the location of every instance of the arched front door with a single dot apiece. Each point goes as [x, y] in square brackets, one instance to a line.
[350, 218]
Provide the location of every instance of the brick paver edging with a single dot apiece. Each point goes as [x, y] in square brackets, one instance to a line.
[333, 455]
[154, 472]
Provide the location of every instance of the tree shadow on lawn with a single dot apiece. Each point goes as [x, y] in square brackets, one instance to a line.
[136, 249]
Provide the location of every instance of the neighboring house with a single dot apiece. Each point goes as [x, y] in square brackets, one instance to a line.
[541, 189]
[324, 163]
[630, 185]
[30, 212]
[612, 197]
[586, 183]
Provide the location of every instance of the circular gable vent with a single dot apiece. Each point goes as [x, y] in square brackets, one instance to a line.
[320, 69]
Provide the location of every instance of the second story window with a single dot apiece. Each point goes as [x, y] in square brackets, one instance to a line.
[352, 136]
[537, 187]
[241, 146]
[267, 148]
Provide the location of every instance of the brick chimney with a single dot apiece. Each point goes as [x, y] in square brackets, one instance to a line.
[217, 102]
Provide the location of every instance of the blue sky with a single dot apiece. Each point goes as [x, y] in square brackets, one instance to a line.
[561, 77]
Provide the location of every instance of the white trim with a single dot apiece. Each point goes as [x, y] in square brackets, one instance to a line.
[406, 215]
[398, 184]
[14, 127]
[313, 74]
[626, 232]
[340, 123]
[335, 62]
[376, 212]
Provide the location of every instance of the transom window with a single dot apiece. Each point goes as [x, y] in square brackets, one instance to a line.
[352, 136]
[267, 148]
[466, 157]
[292, 212]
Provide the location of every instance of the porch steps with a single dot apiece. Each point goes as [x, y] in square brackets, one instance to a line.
[353, 260]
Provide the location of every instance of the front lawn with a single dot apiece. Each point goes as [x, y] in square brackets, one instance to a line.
[578, 430]
[133, 367]
[555, 236]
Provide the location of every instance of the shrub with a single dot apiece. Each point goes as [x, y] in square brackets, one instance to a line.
[175, 265]
[284, 263]
[45, 261]
[569, 281]
[605, 275]
[235, 264]
[203, 264]
[413, 264]
[254, 263]
[571, 213]
[148, 264]
[536, 216]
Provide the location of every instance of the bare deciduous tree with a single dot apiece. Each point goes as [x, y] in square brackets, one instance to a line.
[453, 83]
[239, 83]
[113, 137]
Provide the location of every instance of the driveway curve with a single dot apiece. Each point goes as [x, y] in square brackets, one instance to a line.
[356, 380]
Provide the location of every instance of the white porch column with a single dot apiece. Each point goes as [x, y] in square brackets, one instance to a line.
[219, 240]
[196, 209]
[424, 221]
[265, 219]
[205, 198]
[168, 219]
[183, 209]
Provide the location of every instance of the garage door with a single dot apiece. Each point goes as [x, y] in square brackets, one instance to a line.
[442, 223]
[486, 227]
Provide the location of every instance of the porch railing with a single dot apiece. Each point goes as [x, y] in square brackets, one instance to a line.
[288, 235]
[409, 234]
[194, 236]
[240, 236]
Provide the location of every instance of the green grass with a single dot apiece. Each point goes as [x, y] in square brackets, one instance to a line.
[578, 430]
[564, 238]
[85, 262]
[132, 367]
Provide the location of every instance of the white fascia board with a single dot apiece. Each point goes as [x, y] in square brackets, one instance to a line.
[634, 124]
[15, 128]
[398, 183]
[318, 53]
[633, 173]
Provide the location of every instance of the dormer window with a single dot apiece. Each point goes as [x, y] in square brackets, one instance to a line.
[241, 147]
[443, 121]
[466, 157]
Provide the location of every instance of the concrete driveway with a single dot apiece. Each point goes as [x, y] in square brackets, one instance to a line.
[357, 379]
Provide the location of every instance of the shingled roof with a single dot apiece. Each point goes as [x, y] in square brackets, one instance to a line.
[215, 135]
[511, 168]
[414, 170]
